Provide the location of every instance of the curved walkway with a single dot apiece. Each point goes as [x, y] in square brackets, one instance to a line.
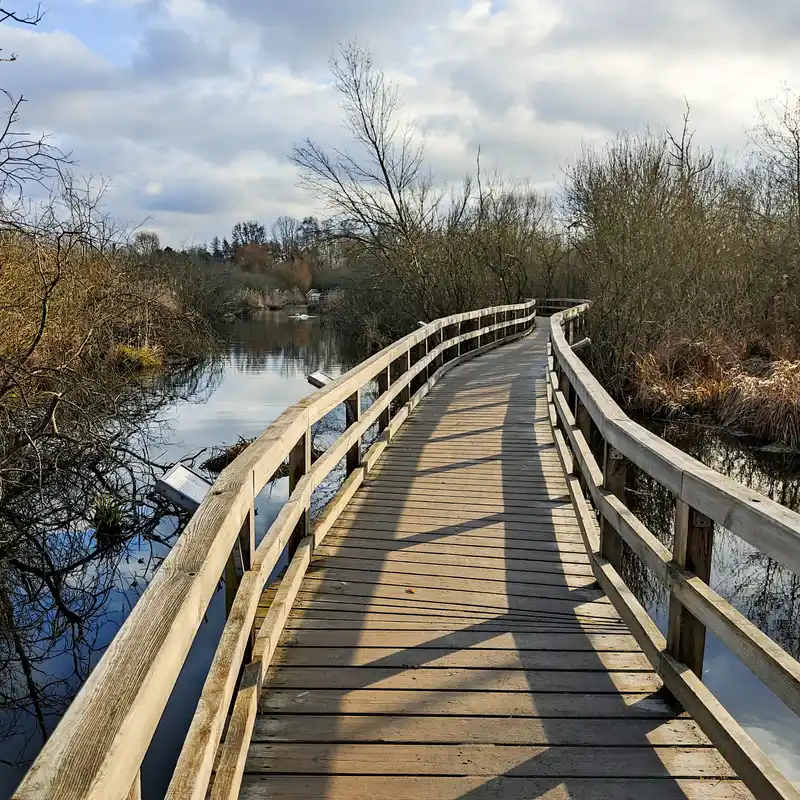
[449, 640]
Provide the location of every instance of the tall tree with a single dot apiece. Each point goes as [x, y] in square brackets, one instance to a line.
[249, 232]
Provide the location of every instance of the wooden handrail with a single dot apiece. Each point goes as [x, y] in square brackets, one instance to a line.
[97, 749]
[703, 497]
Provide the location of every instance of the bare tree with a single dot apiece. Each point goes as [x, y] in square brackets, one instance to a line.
[377, 190]
[286, 235]
[24, 157]
[146, 244]
[777, 142]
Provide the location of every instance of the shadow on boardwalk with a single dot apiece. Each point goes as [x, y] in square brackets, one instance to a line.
[450, 642]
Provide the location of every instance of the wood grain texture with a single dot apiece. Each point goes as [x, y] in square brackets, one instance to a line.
[370, 787]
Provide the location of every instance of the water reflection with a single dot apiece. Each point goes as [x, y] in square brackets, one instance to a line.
[70, 577]
[79, 545]
[757, 586]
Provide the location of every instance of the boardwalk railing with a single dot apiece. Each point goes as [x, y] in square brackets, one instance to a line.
[98, 748]
[586, 420]
[547, 306]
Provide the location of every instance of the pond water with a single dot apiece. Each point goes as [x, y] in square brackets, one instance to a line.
[259, 370]
[766, 593]
[238, 391]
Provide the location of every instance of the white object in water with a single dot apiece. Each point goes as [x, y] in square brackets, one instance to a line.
[184, 487]
[299, 316]
[319, 379]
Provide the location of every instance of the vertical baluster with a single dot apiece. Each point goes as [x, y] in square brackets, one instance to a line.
[692, 549]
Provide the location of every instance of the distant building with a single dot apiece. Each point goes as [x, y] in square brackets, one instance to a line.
[313, 298]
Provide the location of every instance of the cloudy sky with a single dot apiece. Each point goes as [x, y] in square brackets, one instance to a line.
[191, 106]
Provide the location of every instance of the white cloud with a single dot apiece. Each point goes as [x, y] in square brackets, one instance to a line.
[207, 102]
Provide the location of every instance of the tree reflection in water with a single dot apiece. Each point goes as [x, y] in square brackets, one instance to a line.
[761, 589]
[67, 577]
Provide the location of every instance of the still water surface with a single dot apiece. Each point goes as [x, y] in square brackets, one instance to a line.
[259, 370]
[766, 593]
[262, 369]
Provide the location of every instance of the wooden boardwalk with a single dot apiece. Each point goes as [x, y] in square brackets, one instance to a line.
[450, 641]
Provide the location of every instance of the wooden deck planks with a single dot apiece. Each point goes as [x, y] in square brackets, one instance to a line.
[450, 641]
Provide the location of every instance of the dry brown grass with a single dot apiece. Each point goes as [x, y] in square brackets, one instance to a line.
[682, 376]
[765, 404]
[68, 309]
[726, 381]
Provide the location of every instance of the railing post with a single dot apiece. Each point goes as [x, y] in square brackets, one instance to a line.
[420, 350]
[614, 475]
[583, 422]
[384, 381]
[241, 555]
[353, 414]
[136, 789]
[299, 464]
[431, 342]
[564, 384]
[405, 365]
[692, 549]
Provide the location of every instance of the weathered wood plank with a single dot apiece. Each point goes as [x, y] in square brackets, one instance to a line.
[475, 759]
[487, 730]
[584, 661]
[554, 642]
[465, 703]
[449, 679]
[367, 787]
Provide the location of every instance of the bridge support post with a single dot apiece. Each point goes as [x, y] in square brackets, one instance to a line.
[299, 464]
[692, 549]
[614, 475]
[353, 414]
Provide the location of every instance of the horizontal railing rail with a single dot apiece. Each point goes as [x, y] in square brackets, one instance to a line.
[98, 747]
[547, 306]
[583, 414]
